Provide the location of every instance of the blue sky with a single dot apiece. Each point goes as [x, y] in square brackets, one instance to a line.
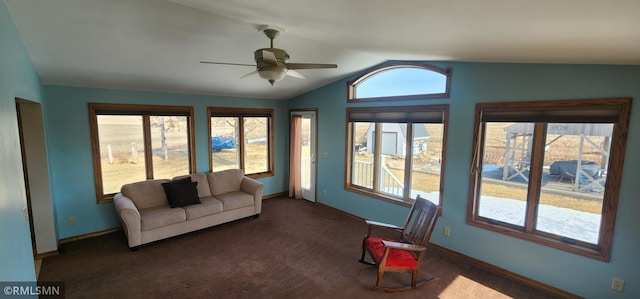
[402, 81]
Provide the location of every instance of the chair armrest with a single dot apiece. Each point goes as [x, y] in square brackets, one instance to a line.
[372, 224]
[383, 225]
[403, 246]
[130, 217]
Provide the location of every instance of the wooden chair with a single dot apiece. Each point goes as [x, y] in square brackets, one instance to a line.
[406, 253]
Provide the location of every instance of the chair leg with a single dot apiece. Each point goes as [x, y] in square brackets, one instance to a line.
[364, 252]
[379, 280]
[414, 278]
[414, 283]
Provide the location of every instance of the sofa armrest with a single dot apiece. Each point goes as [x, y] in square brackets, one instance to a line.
[130, 218]
[251, 186]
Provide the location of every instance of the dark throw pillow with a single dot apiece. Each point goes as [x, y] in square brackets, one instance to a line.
[181, 193]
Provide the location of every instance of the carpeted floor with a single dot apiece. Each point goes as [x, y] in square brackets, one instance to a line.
[296, 249]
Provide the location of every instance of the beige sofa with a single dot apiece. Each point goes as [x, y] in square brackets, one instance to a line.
[224, 196]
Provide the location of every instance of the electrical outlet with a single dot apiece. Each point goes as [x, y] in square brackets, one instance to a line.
[280, 182]
[617, 284]
[72, 220]
[447, 231]
[324, 192]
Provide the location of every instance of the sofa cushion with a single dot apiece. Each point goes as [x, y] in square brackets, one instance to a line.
[203, 184]
[208, 206]
[155, 217]
[235, 199]
[225, 181]
[146, 194]
[181, 193]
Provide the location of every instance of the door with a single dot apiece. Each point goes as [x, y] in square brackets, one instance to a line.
[29, 210]
[36, 177]
[308, 156]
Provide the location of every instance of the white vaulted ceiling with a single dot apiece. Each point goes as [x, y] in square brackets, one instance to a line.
[157, 45]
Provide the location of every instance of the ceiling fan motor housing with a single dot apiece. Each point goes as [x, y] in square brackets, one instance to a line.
[281, 56]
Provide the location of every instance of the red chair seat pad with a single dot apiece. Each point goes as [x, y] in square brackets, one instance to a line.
[397, 257]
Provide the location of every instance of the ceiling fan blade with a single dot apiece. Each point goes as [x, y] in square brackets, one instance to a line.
[225, 63]
[249, 74]
[292, 73]
[269, 57]
[299, 66]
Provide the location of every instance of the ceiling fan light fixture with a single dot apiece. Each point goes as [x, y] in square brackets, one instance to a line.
[272, 75]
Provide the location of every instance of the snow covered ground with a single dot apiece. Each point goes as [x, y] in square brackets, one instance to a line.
[577, 225]
[574, 224]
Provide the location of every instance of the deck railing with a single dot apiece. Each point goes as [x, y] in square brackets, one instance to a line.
[362, 175]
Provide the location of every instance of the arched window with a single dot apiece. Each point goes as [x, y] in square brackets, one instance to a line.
[400, 81]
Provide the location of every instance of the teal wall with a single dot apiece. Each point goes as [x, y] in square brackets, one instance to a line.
[69, 143]
[485, 82]
[18, 79]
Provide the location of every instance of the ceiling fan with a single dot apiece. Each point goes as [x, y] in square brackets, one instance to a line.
[272, 63]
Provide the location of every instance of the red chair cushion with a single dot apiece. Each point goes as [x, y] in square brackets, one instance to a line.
[397, 257]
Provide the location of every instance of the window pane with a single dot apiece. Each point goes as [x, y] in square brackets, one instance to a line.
[256, 150]
[391, 167]
[577, 150]
[363, 149]
[505, 171]
[224, 136]
[121, 151]
[170, 146]
[402, 81]
[426, 161]
[573, 183]
[305, 155]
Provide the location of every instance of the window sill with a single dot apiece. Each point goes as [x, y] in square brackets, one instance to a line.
[107, 198]
[542, 240]
[260, 175]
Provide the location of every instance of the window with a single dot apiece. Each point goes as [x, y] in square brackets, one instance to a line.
[242, 138]
[137, 142]
[400, 81]
[549, 172]
[396, 153]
